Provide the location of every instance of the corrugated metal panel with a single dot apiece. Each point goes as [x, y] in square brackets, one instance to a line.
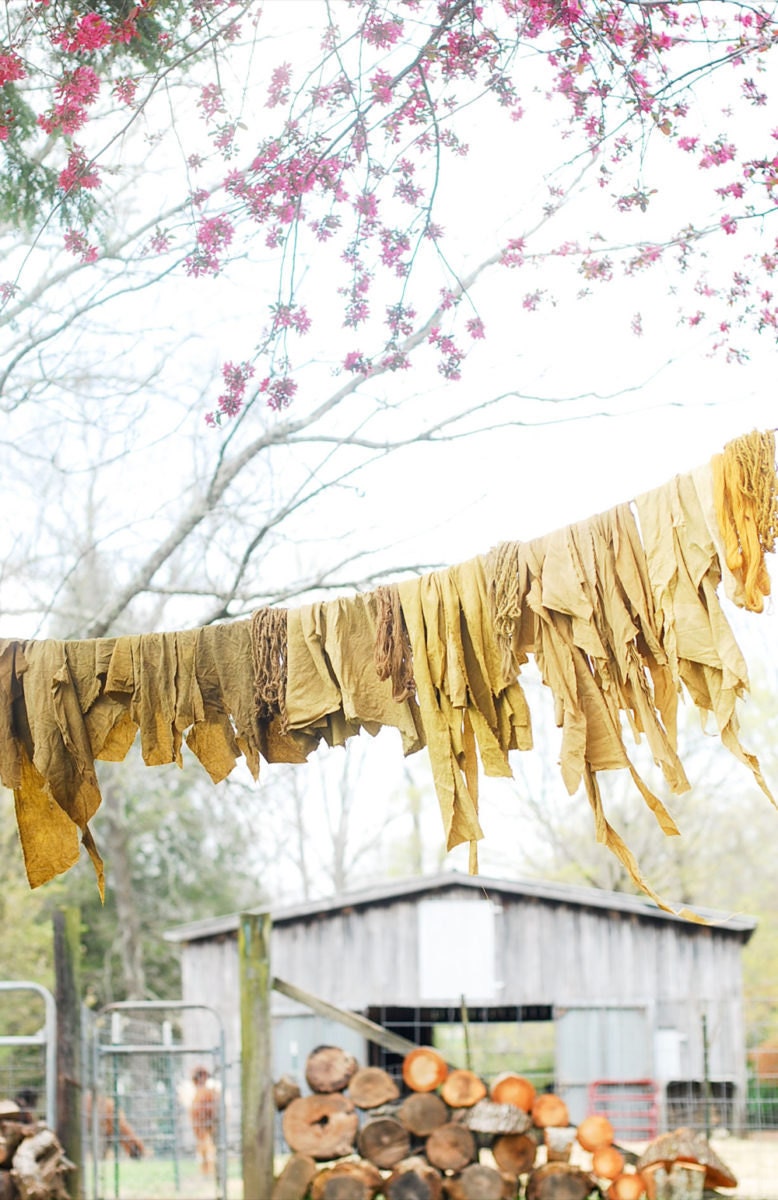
[599, 1043]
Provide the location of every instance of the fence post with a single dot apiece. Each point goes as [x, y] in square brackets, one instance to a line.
[67, 950]
[257, 1112]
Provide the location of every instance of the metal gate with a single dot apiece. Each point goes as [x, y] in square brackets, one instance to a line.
[28, 1060]
[156, 1114]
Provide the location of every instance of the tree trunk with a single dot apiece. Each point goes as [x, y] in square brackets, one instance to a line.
[462, 1089]
[477, 1182]
[7, 1187]
[128, 924]
[384, 1141]
[414, 1179]
[294, 1180]
[515, 1153]
[451, 1147]
[323, 1127]
[371, 1086]
[329, 1069]
[559, 1181]
[422, 1112]
[350, 1180]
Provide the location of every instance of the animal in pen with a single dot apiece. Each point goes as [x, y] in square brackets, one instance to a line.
[115, 1128]
[202, 1098]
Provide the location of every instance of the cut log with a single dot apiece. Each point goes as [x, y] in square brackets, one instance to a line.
[462, 1089]
[513, 1089]
[40, 1166]
[424, 1069]
[294, 1180]
[351, 1180]
[384, 1141]
[559, 1181]
[549, 1109]
[558, 1140]
[488, 1117]
[607, 1162]
[414, 1179]
[329, 1069]
[285, 1090]
[371, 1086]
[451, 1147]
[7, 1187]
[633, 1187]
[421, 1112]
[686, 1145]
[595, 1131]
[476, 1182]
[321, 1126]
[11, 1134]
[514, 1153]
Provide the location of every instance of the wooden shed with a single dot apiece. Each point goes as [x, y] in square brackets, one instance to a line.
[600, 994]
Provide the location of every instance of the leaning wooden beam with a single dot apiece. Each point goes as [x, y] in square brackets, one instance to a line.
[257, 1112]
[368, 1029]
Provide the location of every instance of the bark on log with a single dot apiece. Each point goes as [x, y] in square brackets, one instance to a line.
[424, 1069]
[559, 1181]
[7, 1187]
[329, 1069]
[509, 1088]
[11, 1134]
[414, 1179]
[322, 1126]
[39, 1167]
[488, 1117]
[462, 1089]
[351, 1180]
[421, 1112]
[451, 1147]
[558, 1141]
[294, 1180]
[285, 1090]
[514, 1153]
[371, 1087]
[384, 1141]
[549, 1109]
[477, 1182]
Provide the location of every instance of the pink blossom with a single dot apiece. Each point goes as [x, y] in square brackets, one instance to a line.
[278, 91]
[475, 327]
[124, 89]
[355, 361]
[11, 68]
[381, 33]
[92, 33]
[728, 224]
[76, 244]
[77, 173]
[381, 83]
[687, 143]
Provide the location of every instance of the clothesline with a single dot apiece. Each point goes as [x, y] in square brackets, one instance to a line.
[620, 612]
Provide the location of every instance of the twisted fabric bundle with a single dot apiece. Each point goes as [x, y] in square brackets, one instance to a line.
[393, 659]
[746, 496]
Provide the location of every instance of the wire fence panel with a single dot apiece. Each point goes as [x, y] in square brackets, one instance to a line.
[28, 1047]
[156, 1114]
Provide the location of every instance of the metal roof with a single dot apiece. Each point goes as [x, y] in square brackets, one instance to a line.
[549, 893]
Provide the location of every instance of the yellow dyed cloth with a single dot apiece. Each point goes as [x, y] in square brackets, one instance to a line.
[332, 689]
[467, 708]
[745, 494]
[685, 573]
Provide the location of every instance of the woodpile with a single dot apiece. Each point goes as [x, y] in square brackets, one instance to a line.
[33, 1165]
[448, 1136]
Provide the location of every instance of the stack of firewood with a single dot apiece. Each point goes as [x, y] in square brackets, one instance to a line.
[447, 1135]
[33, 1165]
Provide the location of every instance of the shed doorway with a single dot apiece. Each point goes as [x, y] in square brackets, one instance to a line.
[490, 1039]
[609, 1047]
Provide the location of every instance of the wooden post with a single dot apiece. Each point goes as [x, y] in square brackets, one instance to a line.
[257, 1112]
[67, 953]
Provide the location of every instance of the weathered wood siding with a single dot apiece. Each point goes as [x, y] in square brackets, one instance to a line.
[548, 953]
